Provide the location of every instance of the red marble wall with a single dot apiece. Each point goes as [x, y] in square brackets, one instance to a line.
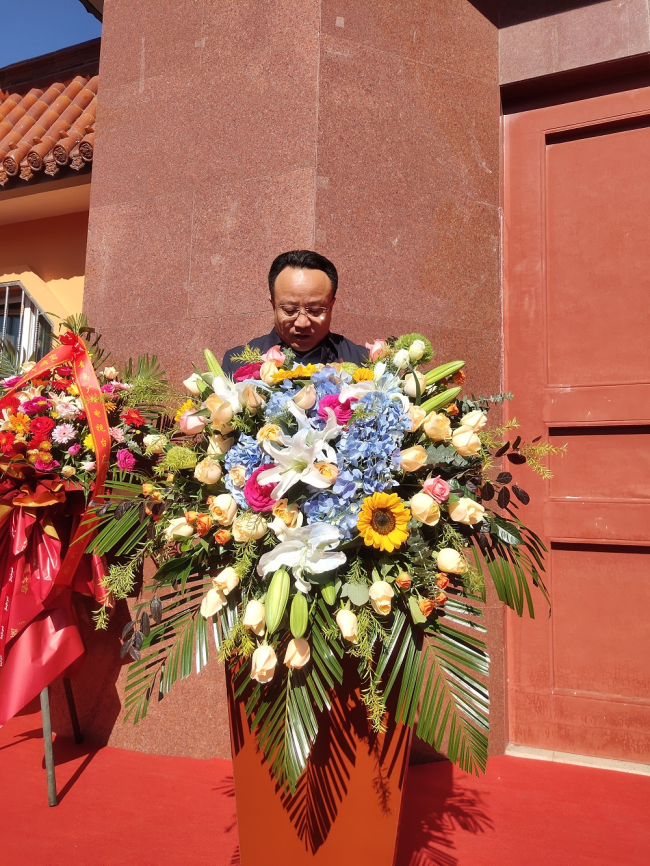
[230, 132]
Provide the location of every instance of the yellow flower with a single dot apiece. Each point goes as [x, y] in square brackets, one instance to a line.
[20, 423]
[383, 520]
[108, 404]
[300, 372]
[269, 431]
[89, 445]
[185, 407]
[361, 374]
[72, 389]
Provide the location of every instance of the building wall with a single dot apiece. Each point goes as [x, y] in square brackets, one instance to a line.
[228, 133]
[48, 256]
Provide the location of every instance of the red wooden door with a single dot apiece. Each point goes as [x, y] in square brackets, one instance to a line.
[577, 294]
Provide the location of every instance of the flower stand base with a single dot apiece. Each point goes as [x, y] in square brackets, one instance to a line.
[346, 808]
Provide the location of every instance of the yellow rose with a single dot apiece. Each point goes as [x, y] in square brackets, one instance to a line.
[289, 514]
[437, 427]
[263, 664]
[381, 594]
[226, 580]
[329, 471]
[306, 397]
[466, 511]
[269, 431]
[223, 509]
[237, 475]
[298, 653]
[248, 526]
[450, 561]
[347, 623]
[476, 420]
[221, 413]
[254, 617]
[416, 417]
[413, 458]
[208, 471]
[218, 444]
[466, 442]
[425, 509]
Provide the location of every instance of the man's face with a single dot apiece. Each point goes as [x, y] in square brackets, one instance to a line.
[311, 291]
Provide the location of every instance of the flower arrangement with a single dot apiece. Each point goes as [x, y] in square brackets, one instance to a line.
[322, 515]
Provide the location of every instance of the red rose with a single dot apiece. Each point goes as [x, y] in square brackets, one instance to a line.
[248, 371]
[41, 426]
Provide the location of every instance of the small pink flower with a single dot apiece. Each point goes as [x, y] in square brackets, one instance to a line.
[46, 467]
[10, 381]
[192, 424]
[125, 460]
[109, 388]
[437, 489]
[342, 411]
[116, 433]
[274, 354]
[74, 449]
[258, 495]
[63, 433]
[89, 466]
[377, 350]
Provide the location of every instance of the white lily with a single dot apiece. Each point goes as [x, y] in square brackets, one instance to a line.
[295, 463]
[305, 550]
[383, 380]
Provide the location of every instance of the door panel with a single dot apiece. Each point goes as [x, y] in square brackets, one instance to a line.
[577, 294]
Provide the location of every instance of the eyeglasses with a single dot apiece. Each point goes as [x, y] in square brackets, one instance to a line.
[292, 312]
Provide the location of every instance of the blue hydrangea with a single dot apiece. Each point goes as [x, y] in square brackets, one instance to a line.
[277, 402]
[338, 505]
[245, 453]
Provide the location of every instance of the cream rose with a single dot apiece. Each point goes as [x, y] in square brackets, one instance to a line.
[417, 350]
[68, 471]
[213, 602]
[298, 653]
[178, 528]
[208, 471]
[450, 561]
[222, 509]
[381, 594]
[306, 397]
[466, 511]
[437, 427]
[425, 509]
[268, 371]
[218, 444]
[154, 443]
[226, 580]
[109, 373]
[409, 384]
[263, 664]
[248, 526]
[255, 617]
[347, 623]
[416, 417]
[413, 458]
[476, 420]
[251, 399]
[191, 385]
[401, 358]
[237, 475]
[466, 442]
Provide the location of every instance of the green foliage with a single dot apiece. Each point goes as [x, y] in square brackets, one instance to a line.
[176, 459]
[535, 452]
[150, 390]
[248, 355]
[244, 422]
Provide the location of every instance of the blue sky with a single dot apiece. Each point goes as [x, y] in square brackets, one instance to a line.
[40, 26]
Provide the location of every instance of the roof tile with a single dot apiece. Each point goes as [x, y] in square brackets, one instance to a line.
[47, 130]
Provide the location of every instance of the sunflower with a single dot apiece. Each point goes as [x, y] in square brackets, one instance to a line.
[299, 372]
[361, 374]
[382, 521]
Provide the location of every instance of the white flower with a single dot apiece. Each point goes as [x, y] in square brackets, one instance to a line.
[89, 466]
[401, 358]
[416, 350]
[67, 408]
[305, 550]
[154, 443]
[296, 463]
[110, 373]
[191, 385]
[213, 602]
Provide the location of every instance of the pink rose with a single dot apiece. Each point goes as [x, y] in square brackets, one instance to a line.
[248, 371]
[258, 495]
[342, 411]
[274, 354]
[377, 350]
[46, 467]
[74, 449]
[125, 460]
[191, 423]
[437, 489]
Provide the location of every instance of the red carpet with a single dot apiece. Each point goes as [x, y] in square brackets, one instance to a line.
[120, 807]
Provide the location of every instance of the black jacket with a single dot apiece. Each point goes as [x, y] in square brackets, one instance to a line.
[333, 348]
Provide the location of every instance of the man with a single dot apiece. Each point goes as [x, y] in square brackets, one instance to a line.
[302, 285]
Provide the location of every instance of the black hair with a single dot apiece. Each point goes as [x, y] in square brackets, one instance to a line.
[303, 259]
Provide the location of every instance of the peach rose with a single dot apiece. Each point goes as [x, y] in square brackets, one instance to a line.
[305, 398]
[221, 413]
[271, 432]
[426, 606]
[329, 471]
[251, 399]
[413, 458]
[409, 384]
[222, 536]
[203, 524]
[377, 350]
[466, 442]
[403, 580]
[290, 515]
[425, 509]
[218, 444]
[381, 594]
[208, 471]
[466, 511]
[268, 371]
[476, 420]
[416, 417]
[451, 561]
[263, 664]
[248, 526]
[226, 580]
[441, 581]
[237, 475]
[177, 529]
[437, 427]
[347, 623]
[223, 509]
[255, 617]
[298, 653]
[213, 602]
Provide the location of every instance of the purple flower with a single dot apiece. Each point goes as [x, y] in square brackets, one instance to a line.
[74, 449]
[125, 460]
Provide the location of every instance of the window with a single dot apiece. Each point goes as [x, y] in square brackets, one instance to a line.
[24, 325]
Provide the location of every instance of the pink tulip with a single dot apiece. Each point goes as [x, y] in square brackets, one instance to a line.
[377, 350]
